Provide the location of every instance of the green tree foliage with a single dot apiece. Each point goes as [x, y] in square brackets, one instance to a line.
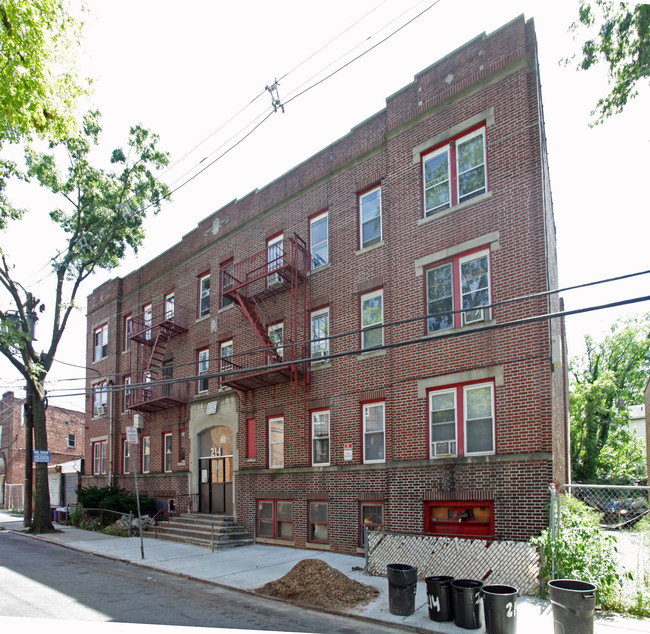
[618, 35]
[101, 215]
[610, 377]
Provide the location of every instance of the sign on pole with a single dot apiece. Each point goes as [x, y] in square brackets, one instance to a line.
[41, 456]
[132, 435]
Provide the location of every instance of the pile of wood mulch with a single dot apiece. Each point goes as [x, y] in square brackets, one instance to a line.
[314, 582]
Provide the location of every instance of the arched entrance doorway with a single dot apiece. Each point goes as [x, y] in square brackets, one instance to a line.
[215, 471]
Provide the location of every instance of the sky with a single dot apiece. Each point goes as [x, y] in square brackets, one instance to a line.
[196, 74]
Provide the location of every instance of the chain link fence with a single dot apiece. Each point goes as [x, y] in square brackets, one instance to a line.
[625, 516]
[14, 499]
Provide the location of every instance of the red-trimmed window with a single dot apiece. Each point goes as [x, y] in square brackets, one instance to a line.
[371, 517]
[181, 445]
[275, 259]
[275, 519]
[319, 240]
[204, 294]
[146, 454]
[276, 336]
[370, 217]
[100, 342]
[100, 398]
[372, 319]
[459, 518]
[126, 395]
[167, 452]
[203, 367]
[461, 420]
[128, 330]
[148, 319]
[226, 350]
[126, 457]
[276, 442]
[169, 306]
[462, 284]
[250, 438]
[455, 171]
[99, 457]
[320, 330]
[374, 431]
[227, 281]
[318, 522]
[320, 438]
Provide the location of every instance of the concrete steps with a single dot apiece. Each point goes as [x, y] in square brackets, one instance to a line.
[197, 529]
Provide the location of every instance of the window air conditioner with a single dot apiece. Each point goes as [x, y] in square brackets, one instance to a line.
[474, 316]
[274, 280]
[446, 448]
[100, 410]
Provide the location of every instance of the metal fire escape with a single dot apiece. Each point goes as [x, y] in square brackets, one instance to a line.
[152, 331]
[250, 283]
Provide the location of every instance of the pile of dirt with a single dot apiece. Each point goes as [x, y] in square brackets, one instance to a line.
[313, 582]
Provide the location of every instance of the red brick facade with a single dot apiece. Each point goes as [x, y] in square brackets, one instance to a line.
[373, 395]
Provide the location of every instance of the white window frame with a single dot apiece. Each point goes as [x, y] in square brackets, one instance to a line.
[276, 442]
[147, 313]
[276, 336]
[322, 416]
[436, 448]
[100, 399]
[72, 440]
[459, 142]
[320, 348]
[274, 259]
[363, 202]
[471, 315]
[315, 248]
[146, 454]
[226, 352]
[167, 452]
[366, 407]
[227, 281]
[126, 457]
[371, 325]
[100, 342]
[204, 295]
[126, 401]
[169, 306]
[466, 421]
[203, 367]
[128, 330]
[99, 457]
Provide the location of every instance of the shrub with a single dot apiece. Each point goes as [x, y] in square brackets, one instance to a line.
[114, 498]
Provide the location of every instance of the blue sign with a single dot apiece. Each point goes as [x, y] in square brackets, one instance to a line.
[41, 456]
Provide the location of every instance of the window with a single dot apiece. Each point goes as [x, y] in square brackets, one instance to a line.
[99, 457]
[250, 438]
[100, 398]
[126, 401]
[372, 318]
[226, 355]
[275, 256]
[169, 306]
[275, 519]
[181, 445]
[146, 454]
[455, 172]
[461, 417]
[204, 295]
[374, 433]
[320, 438]
[227, 281]
[167, 455]
[461, 285]
[203, 368]
[318, 527]
[126, 457]
[319, 240]
[459, 518]
[370, 217]
[168, 376]
[371, 517]
[128, 330]
[320, 330]
[276, 336]
[148, 320]
[100, 343]
[72, 441]
[276, 443]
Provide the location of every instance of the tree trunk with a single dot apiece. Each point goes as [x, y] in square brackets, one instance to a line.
[42, 522]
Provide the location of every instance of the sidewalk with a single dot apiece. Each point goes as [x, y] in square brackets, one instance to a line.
[250, 567]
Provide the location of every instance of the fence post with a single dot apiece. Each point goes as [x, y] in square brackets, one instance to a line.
[553, 526]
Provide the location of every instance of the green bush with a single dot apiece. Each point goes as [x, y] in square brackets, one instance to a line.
[115, 499]
[643, 525]
[581, 551]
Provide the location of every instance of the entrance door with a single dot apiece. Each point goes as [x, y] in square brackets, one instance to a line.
[216, 471]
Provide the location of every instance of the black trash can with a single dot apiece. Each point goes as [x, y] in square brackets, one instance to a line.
[500, 607]
[467, 600]
[439, 598]
[402, 585]
[573, 606]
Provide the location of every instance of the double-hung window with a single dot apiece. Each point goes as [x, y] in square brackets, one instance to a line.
[181, 446]
[374, 432]
[275, 519]
[320, 330]
[99, 457]
[371, 517]
[128, 330]
[320, 438]
[203, 368]
[227, 281]
[100, 342]
[372, 319]
[146, 454]
[126, 401]
[458, 292]
[167, 452]
[276, 336]
[204, 295]
[461, 420]
[226, 358]
[318, 525]
[370, 217]
[148, 320]
[100, 398]
[275, 259]
[319, 240]
[276, 442]
[126, 457]
[455, 172]
[72, 441]
[169, 306]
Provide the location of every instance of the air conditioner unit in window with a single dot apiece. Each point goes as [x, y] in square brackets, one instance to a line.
[274, 280]
[100, 410]
[447, 448]
[474, 316]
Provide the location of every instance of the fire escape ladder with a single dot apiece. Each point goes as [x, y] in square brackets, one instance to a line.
[158, 350]
[261, 330]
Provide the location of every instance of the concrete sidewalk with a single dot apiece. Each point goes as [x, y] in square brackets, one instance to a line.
[250, 567]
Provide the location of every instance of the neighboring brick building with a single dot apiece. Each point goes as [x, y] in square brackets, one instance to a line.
[397, 251]
[65, 441]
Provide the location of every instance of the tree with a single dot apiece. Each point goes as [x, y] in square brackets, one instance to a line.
[610, 377]
[619, 36]
[102, 215]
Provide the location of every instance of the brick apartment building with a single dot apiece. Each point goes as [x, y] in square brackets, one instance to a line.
[341, 349]
[65, 440]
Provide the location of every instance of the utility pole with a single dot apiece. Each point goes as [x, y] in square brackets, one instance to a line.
[29, 450]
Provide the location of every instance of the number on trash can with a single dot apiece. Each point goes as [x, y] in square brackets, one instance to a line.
[434, 602]
[511, 609]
